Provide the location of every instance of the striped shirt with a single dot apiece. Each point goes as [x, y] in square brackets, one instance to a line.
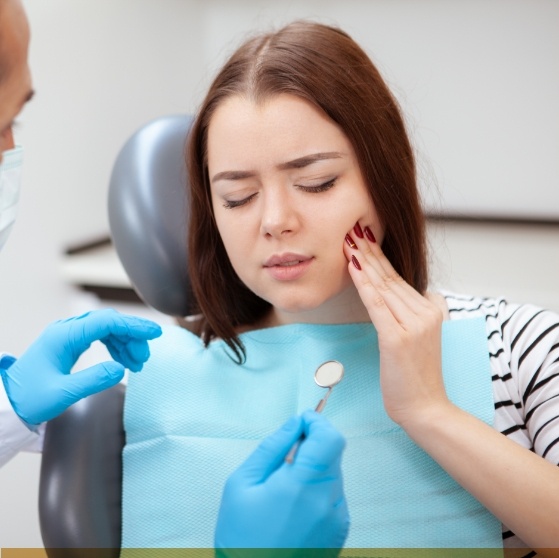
[524, 355]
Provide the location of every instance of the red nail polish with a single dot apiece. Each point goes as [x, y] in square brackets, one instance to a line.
[356, 263]
[350, 242]
[358, 231]
[369, 234]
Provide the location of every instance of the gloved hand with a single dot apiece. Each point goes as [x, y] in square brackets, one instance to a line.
[39, 384]
[268, 503]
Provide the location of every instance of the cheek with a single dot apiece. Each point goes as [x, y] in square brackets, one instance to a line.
[225, 231]
[361, 209]
[346, 212]
[236, 240]
[226, 223]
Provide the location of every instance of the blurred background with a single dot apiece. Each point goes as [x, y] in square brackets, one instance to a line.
[478, 81]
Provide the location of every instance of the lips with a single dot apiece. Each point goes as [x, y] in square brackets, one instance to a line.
[286, 260]
[288, 267]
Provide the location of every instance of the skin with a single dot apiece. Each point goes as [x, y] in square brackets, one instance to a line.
[279, 217]
[516, 485]
[15, 87]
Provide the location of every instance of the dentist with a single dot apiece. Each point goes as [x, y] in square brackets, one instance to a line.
[38, 385]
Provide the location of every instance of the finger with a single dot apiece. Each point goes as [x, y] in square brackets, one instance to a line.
[101, 323]
[132, 354]
[386, 278]
[92, 380]
[321, 449]
[271, 452]
[402, 299]
[97, 325]
[388, 268]
[396, 281]
[385, 284]
[358, 248]
[381, 315]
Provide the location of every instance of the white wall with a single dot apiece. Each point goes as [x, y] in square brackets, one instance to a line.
[477, 78]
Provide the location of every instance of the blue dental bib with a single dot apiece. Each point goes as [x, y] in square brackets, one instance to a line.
[193, 415]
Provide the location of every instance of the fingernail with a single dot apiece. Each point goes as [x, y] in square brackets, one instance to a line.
[350, 242]
[358, 231]
[356, 263]
[369, 234]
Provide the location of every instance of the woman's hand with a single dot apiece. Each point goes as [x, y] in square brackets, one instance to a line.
[515, 484]
[409, 331]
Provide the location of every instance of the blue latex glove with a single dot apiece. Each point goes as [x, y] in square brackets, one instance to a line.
[39, 384]
[268, 503]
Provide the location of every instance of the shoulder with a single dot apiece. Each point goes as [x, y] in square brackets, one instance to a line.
[525, 336]
[174, 337]
[512, 318]
[461, 306]
[170, 351]
[516, 321]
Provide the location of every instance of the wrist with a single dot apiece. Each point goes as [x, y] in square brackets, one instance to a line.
[6, 362]
[426, 420]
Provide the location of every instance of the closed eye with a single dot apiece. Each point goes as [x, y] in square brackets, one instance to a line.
[230, 204]
[317, 189]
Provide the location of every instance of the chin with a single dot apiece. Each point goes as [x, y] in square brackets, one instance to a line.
[300, 304]
[297, 298]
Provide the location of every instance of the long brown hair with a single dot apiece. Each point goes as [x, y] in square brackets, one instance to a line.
[324, 66]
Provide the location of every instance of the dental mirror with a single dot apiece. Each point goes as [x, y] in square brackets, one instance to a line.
[327, 375]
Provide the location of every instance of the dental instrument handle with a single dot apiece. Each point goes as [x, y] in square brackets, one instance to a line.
[321, 404]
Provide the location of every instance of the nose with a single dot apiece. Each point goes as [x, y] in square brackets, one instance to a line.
[279, 215]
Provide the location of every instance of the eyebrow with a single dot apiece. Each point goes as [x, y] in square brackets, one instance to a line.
[299, 163]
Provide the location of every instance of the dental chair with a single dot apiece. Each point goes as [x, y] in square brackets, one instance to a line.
[80, 491]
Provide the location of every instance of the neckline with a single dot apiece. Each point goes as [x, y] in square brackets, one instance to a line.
[288, 333]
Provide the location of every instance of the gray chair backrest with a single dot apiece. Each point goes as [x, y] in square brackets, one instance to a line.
[80, 489]
[148, 214]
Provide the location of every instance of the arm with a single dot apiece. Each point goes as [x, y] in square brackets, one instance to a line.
[14, 435]
[516, 485]
[39, 384]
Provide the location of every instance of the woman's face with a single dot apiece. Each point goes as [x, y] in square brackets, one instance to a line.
[286, 189]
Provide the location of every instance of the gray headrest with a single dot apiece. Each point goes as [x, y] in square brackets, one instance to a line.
[148, 213]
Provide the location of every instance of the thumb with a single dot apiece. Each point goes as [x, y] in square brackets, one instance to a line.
[93, 380]
[271, 452]
[320, 453]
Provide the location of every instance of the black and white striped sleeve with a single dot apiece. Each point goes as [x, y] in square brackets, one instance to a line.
[532, 336]
[523, 343]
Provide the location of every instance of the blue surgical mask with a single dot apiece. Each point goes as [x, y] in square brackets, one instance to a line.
[10, 184]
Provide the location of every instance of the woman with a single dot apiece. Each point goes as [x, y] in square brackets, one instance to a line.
[307, 241]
